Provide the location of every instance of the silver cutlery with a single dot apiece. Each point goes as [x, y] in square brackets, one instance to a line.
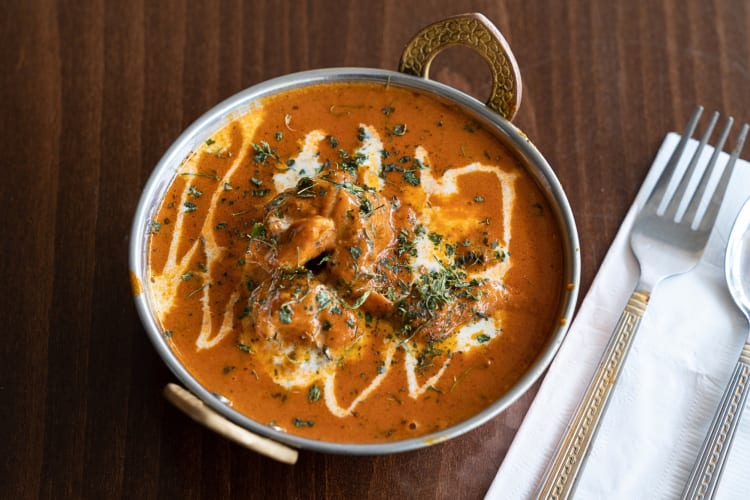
[707, 471]
[666, 240]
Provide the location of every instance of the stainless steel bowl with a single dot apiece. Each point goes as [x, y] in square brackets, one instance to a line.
[240, 103]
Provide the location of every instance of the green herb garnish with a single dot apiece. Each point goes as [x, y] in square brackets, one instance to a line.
[244, 348]
[258, 231]
[324, 300]
[303, 423]
[285, 314]
[411, 177]
[313, 394]
[263, 151]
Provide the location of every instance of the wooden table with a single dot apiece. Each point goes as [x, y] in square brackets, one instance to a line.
[94, 92]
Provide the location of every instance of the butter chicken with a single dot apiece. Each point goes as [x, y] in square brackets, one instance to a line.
[355, 263]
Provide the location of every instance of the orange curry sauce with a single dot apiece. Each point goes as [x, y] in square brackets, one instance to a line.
[355, 263]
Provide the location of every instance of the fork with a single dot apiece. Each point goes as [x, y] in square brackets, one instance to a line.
[667, 238]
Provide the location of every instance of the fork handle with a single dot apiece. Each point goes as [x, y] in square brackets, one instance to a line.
[707, 471]
[563, 471]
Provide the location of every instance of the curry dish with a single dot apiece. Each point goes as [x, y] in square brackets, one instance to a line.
[355, 263]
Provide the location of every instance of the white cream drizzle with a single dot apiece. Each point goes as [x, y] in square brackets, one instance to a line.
[372, 167]
[164, 285]
[306, 163]
[464, 340]
[330, 389]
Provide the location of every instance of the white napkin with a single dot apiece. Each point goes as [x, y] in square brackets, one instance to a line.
[680, 361]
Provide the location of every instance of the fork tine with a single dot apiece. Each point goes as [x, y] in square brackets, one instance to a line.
[707, 221]
[699, 193]
[657, 193]
[679, 193]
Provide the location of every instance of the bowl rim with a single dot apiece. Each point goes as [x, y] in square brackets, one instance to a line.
[534, 163]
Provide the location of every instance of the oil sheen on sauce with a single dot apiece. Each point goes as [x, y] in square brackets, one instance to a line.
[355, 263]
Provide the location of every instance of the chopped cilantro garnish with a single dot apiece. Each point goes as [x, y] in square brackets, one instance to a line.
[323, 299]
[244, 348]
[313, 394]
[361, 300]
[411, 177]
[258, 231]
[405, 244]
[263, 151]
[303, 423]
[285, 314]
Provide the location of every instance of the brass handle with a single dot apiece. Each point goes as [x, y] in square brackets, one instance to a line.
[476, 32]
[195, 409]
[707, 471]
[563, 472]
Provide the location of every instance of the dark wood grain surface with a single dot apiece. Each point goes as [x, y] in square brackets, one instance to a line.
[92, 94]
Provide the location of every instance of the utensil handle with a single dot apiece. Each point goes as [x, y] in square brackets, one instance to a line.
[563, 472]
[195, 409]
[476, 32]
[707, 471]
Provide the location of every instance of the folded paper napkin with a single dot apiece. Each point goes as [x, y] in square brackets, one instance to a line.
[680, 361]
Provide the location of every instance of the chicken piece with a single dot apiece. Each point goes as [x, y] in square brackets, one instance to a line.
[365, 236]
[295, 309]
[306, 239]
[377, 304]
[441, 301]
[332, 215]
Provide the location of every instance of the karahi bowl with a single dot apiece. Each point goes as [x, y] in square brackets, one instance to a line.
[490, 116]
